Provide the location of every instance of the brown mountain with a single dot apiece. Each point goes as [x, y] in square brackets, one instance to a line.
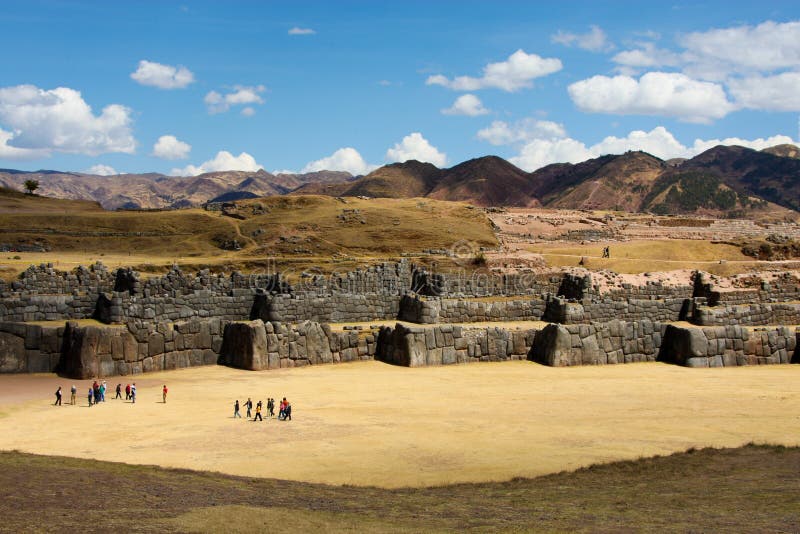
[152, 190]
[487, 181]
[608, 182]
[752, 173]
[786, 151]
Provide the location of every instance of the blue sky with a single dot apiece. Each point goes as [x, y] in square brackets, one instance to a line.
[187, 87]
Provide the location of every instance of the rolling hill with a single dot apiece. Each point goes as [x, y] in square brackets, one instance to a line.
[726, 181]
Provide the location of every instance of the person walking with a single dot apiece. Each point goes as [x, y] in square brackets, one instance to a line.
[287, 411]
[58, 397]
[164, 393]
[73, 391]
[249, 406]
[103, 388]
[271, 407]
[91, 395]
[127, 392]
[119, 392]
[133, 393]
[258, 412]
[236, 410]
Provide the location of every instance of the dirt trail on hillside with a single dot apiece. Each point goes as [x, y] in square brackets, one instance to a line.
[368, 423]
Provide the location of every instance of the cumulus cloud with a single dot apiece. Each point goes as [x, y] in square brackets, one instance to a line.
[766, 47]
[647, 56]
[301, 31]
[11, 152]
[468, 104]
[655, 93]
[414, 146]
[241, 95]
[248, 111]
[101, 170]
[223, 161]
[503, 133]
[162, 76]
[774, 93]
[595, 40]
[659, 141]
[169, 147]
[513, 74]
[42, 121]
[345, 159]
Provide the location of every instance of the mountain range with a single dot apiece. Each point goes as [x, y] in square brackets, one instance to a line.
[722, 181]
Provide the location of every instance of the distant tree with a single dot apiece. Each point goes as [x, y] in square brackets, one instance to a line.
[31, 186]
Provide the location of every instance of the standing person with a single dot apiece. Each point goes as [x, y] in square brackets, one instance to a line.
[258, 412]
[271, 407]
[58, 397]
[96, 391]
[127, 392]
[73, 390]
[119, 391]
[91, 394]
[236, 410]
[133, 393]
[281, 408]
[287, 412]
[164, 393]
[103, 387]
[249, 406]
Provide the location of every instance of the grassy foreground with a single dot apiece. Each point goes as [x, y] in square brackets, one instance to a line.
[754, 488]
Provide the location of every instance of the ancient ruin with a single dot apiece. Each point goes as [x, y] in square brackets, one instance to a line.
[411, 316]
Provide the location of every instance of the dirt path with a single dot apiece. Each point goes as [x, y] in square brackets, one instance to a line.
[372, 424]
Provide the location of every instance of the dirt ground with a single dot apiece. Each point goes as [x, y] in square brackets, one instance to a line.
[368, 423]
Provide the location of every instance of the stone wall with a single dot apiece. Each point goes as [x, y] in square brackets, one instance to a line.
[256, 345]
[99, 351]
[419, 346]
[717, 346]
[756, 314]
[562, 311]
[432, 310]
[332, 308]
[29, 348]
[597, 344]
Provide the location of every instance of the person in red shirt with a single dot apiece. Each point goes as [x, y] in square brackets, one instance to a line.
[164, 393]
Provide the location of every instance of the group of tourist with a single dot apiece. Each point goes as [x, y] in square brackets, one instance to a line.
[97, 393]
[284, 409]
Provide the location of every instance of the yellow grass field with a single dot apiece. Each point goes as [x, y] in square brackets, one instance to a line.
[368, 423]
[640, 256]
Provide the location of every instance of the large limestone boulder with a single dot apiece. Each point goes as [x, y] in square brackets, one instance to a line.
[553, 346]
[12, 353]
[684, 346]
[244, 345]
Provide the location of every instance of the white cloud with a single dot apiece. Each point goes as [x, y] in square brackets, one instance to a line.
[502, 133]
[516, 73]
[101, 170]
[10, 152]
[655, 93]
[248, 111]
[301, 31]
[414, 146]
[162, 76]
[541, 152]
[763, 48]
[595, 40]
[646, 56]
[659, 142]
[345, 159]
[223, 161]
[241, 95]
[169, 147]
[468, 104]
[60, 120]
[774, 93]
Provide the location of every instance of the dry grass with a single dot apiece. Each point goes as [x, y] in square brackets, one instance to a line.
[649, 255]
[368, 423]
[753, 489]
[297, 232]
